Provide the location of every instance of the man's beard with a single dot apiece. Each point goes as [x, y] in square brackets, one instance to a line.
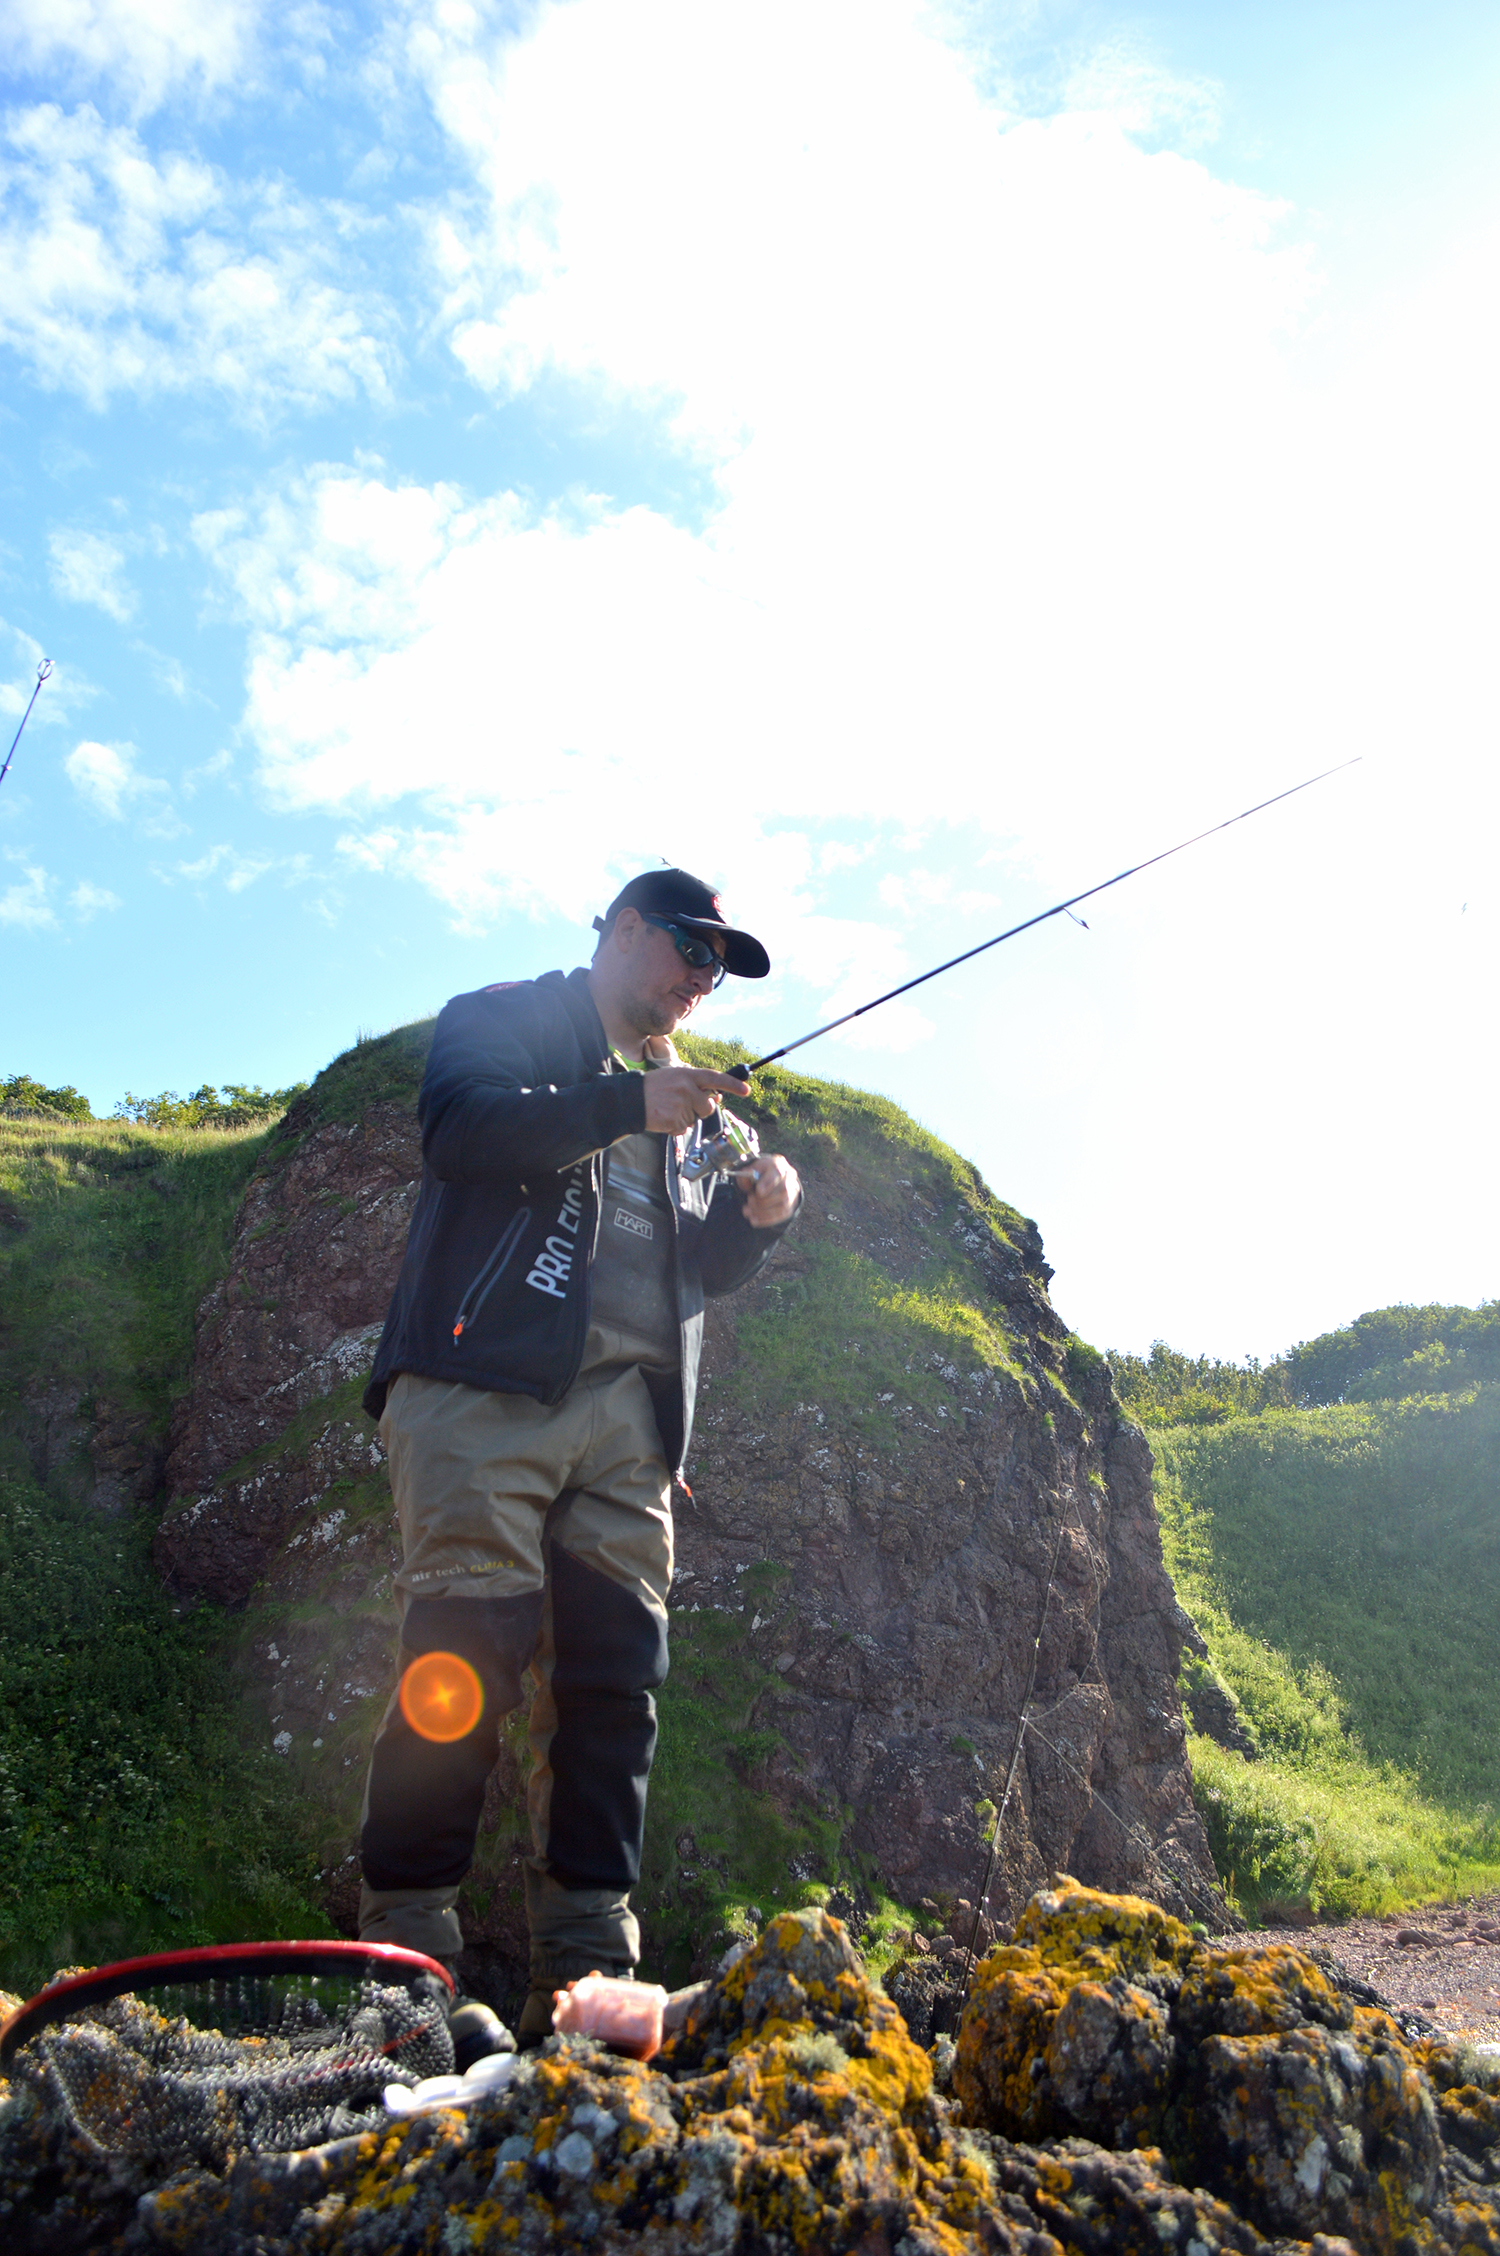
[651, 1017]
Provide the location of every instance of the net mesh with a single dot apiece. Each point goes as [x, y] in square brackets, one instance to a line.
[198, 2073]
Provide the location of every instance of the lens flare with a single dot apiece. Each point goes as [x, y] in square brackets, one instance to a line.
[442, 1697]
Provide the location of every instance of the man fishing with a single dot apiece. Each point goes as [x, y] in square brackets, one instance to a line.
[535, 1385]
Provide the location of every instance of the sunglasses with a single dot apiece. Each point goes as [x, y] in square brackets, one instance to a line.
[689, 945]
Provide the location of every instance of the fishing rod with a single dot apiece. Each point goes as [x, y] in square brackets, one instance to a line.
[42, 674]
[1061, 908]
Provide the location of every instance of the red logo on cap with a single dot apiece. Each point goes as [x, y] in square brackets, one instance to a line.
[717, 904]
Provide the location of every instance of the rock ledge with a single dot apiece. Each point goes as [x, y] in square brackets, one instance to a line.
[1120, 2087]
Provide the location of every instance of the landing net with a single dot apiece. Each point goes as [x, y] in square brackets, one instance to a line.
[194, 2069]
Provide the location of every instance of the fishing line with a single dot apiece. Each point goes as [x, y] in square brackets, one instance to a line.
[1191, 1886]
[1135, 1834]
[1015, 1759]
[1060, 908]
[43, 673]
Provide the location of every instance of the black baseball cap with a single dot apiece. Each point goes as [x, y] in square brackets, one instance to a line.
[687, 900]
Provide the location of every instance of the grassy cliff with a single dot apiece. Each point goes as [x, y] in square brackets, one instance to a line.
[134, 1812]
[1332, 1522]
[139, 1804]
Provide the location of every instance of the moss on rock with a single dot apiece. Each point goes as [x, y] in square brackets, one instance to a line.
[791, 2115]
[1261, 2084]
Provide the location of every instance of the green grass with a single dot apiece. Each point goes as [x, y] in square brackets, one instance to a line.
[1343, 1565]
[109, 1237]
[847, 1336]
[1335, 1836]
[134, 1814]
[379, 1069]
[843, 1332]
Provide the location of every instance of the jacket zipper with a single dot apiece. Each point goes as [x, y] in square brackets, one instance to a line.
[489, 1276]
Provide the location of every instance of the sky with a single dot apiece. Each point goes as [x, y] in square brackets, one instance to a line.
[904, 463]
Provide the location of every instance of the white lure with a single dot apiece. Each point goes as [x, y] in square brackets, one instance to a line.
[491, 2074]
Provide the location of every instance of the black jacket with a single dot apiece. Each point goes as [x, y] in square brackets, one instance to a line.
[517, 1109]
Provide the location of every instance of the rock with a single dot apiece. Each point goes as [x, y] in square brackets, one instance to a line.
[1129, 2204]
[911, 1566]
[317, 1244]
[1257, 2079]
[792, 2112]
[129, 1463]
[1215, 1712]
[1068, 2028]
[58, 1431]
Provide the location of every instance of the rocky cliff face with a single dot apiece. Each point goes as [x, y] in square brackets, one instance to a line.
[916, 1512]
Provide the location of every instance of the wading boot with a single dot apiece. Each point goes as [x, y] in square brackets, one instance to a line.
[476, 2029]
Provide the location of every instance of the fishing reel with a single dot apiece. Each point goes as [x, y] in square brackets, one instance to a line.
[730, 1153]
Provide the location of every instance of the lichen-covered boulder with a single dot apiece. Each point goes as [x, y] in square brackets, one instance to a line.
[791, 2113]
[1255, 1990]
[1068, 2029]
[1308, 2129]
[792, 2116]
[1261, 2083]
[1469, 2111]
[1094, 2203]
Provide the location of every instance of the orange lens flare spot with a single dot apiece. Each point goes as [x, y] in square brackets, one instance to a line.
[442, 1697]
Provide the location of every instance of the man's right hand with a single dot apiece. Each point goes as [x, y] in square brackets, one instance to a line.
[677, 1095]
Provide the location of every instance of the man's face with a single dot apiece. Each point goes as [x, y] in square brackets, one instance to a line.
[659, 988]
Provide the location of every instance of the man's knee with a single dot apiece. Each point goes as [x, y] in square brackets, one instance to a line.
[608, 1637]
[577, 1930]
[424, 1798]
[496, 1636]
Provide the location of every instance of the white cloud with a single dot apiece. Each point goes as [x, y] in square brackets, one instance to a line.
[740, 227]
[169, 672]
[236, 870]
[1028, 523]
[1118, 82]
[109, 782]
[208, 771]
[26, 903]
[922, 360]
[104, 776]
[143, 48]
[123, 270]
[87, 899]
[90, 568]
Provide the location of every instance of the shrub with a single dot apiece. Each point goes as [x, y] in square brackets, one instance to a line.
[235, 1105]
[20, 1095]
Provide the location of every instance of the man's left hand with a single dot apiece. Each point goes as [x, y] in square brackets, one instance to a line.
[772, 1189]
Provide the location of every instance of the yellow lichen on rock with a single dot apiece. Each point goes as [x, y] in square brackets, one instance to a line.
[1177, 2100]
[1253, 1991]
[1069, 1925]
[1067, 2029]
[1262, 2083]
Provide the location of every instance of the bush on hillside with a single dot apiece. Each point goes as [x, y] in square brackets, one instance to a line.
[20, 1095]
[1386, 1355]
[1167, 1388]
[235, 1105]
[1391, 1353]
